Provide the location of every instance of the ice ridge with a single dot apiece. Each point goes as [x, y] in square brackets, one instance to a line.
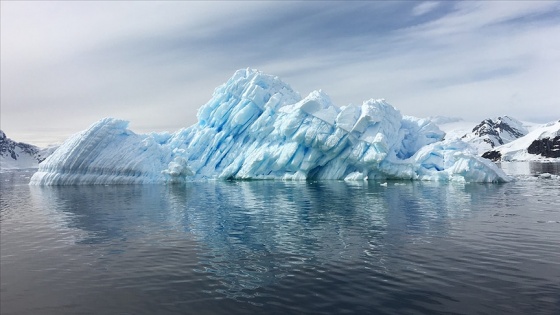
[257, 127]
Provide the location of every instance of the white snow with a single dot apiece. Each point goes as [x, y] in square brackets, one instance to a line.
[24, 160]
[494, 132]
[456, 128]
[517, 149]
[17, 155]
[256, 127]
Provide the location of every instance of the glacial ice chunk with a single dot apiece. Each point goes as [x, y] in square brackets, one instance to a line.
[257, 127]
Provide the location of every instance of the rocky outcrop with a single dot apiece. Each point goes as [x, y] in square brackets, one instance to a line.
[496, 132]
[541, 143]
[15, 154]
[547, 147]
[492, 155]
[9, 148]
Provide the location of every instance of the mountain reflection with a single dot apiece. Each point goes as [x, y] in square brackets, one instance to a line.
[251, 234]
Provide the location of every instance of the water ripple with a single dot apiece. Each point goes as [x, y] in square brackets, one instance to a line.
[277, 248]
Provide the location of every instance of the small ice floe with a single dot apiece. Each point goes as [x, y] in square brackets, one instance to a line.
[545, 175]
[383, 184]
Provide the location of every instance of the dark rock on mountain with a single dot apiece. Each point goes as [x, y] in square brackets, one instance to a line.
[497, 132]
[541, 143]
[15, 154]
[492, 155]
[8, 147]
[547, 147]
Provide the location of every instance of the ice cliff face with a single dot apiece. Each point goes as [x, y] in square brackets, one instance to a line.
[256, 127]
[14, 155]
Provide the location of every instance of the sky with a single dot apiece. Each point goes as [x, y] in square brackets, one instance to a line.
[65, 65]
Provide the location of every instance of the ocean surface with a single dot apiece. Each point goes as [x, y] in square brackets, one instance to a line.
[273, 247]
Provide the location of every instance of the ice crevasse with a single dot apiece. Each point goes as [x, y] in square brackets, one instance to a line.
[257, 127]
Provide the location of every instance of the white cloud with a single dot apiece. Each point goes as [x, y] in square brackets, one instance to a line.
[470, 16]
[424, 7]
[66, 64]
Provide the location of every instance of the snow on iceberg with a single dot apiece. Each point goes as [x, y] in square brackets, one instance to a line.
[257, 127]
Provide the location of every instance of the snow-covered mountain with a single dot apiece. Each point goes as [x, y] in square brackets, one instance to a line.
[542, 143]
[491, 133]
[485, 135]
[257, 127]
[505, 138]
[14, 155]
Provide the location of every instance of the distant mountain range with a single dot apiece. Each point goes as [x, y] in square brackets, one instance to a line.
[491, 133]
[506, 138]
[17, 155]
[542, 143]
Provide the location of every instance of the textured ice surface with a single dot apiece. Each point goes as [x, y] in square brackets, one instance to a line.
[256, 127]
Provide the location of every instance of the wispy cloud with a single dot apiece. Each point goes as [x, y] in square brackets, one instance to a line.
[67, 64]
[425, 7]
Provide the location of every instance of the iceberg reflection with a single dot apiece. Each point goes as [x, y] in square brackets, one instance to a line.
[252, 234]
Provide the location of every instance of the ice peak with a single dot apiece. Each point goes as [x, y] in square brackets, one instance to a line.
[246, 88]
[257, 127]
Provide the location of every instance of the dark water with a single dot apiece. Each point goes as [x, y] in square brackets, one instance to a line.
[268, 247]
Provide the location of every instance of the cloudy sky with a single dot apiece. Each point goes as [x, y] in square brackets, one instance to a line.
[65, 65]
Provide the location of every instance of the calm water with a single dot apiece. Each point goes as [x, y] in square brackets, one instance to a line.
[268, 247]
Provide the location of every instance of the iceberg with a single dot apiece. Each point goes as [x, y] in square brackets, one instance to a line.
[257, 127]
